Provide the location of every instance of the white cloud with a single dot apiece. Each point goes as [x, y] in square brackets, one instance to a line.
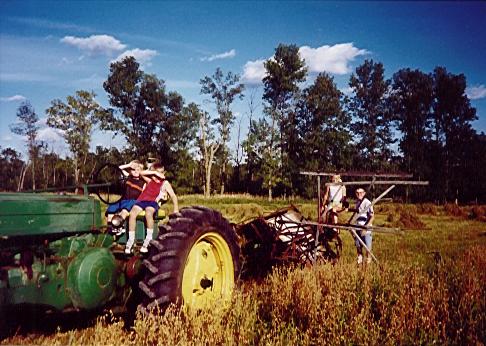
[143, 56]
[225, 55]
[476, 92]
[24, 77]
[254, 71]
[333, 59]
[89, 83]
[95, 44]
[49, 135]
[347, 91]
[15, 98]
[48, 24]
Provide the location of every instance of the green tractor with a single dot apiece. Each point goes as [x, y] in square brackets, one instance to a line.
[56, 253]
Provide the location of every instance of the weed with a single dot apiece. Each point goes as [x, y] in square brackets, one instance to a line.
[429, 289]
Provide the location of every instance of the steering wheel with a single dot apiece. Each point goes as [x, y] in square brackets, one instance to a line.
[109, 183]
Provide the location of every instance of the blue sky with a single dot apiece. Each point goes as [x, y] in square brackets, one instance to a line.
[49, 50]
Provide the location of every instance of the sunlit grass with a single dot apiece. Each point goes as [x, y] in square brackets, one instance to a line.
[429, 289]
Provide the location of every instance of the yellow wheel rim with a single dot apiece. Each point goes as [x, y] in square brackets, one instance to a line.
[209, 272]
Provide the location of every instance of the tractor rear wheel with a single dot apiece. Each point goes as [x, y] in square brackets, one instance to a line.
[194, 261]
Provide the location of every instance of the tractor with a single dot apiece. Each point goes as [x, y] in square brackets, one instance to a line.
[57, 254]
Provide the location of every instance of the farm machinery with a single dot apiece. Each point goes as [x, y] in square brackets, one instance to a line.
[57, 254]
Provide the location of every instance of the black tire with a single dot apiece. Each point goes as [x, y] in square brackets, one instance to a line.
[170, 257]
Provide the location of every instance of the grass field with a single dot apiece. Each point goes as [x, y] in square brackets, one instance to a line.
[430, 289]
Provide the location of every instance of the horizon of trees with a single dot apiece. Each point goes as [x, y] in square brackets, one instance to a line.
[427, 116]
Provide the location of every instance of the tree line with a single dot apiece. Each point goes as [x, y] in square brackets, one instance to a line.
[415, 122]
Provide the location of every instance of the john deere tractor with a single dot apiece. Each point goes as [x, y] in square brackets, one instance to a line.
[56, 253]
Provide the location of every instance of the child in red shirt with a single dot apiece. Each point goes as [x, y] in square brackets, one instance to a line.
[157, 188]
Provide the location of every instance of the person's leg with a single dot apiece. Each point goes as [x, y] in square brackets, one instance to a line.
[149, 218]
[359, 247]
[124, 214]
[368, 239]
[111, 211]
[132, 223]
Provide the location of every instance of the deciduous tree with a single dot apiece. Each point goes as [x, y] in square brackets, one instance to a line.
[10, 166]
[144, 112]
[323, 127]
[284, 71]
[207, 144]
[76, 119]
[223, 91]
[372, 120]
[27, 126]
[452, 114]
[411, 105]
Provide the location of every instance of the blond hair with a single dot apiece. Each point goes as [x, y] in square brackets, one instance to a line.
[336, 177]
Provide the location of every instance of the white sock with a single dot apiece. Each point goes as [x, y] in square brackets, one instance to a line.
[131, 239]
[148, 238]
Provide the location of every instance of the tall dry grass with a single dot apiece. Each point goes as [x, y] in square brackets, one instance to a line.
[430, 288]
[332, 305]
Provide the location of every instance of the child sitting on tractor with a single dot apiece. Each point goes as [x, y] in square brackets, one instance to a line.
[134, 186]
[156, 189]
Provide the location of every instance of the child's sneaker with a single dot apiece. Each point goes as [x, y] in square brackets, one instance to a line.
[360, 259]
[118, 232]
[144, 249]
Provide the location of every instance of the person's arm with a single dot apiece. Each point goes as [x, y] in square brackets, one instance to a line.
[150, 172]
[371, 216]
[173, 197]
[324, 199]
[146, 178]
[344, 200]
[124, 169]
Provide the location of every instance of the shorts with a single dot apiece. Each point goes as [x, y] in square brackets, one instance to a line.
[126, 204]
[145, 204]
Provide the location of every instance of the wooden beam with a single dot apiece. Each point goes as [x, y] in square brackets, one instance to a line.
[359, 174]
[381, 182]
[377, 229]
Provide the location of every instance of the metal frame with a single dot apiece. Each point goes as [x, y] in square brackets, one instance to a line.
[349, 225]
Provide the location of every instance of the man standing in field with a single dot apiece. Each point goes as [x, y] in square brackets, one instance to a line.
[365, 216]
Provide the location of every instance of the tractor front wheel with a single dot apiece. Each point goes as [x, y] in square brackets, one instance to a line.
[194, 261]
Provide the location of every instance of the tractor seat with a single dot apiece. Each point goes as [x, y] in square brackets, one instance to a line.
[159, 216]
[160, 213]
